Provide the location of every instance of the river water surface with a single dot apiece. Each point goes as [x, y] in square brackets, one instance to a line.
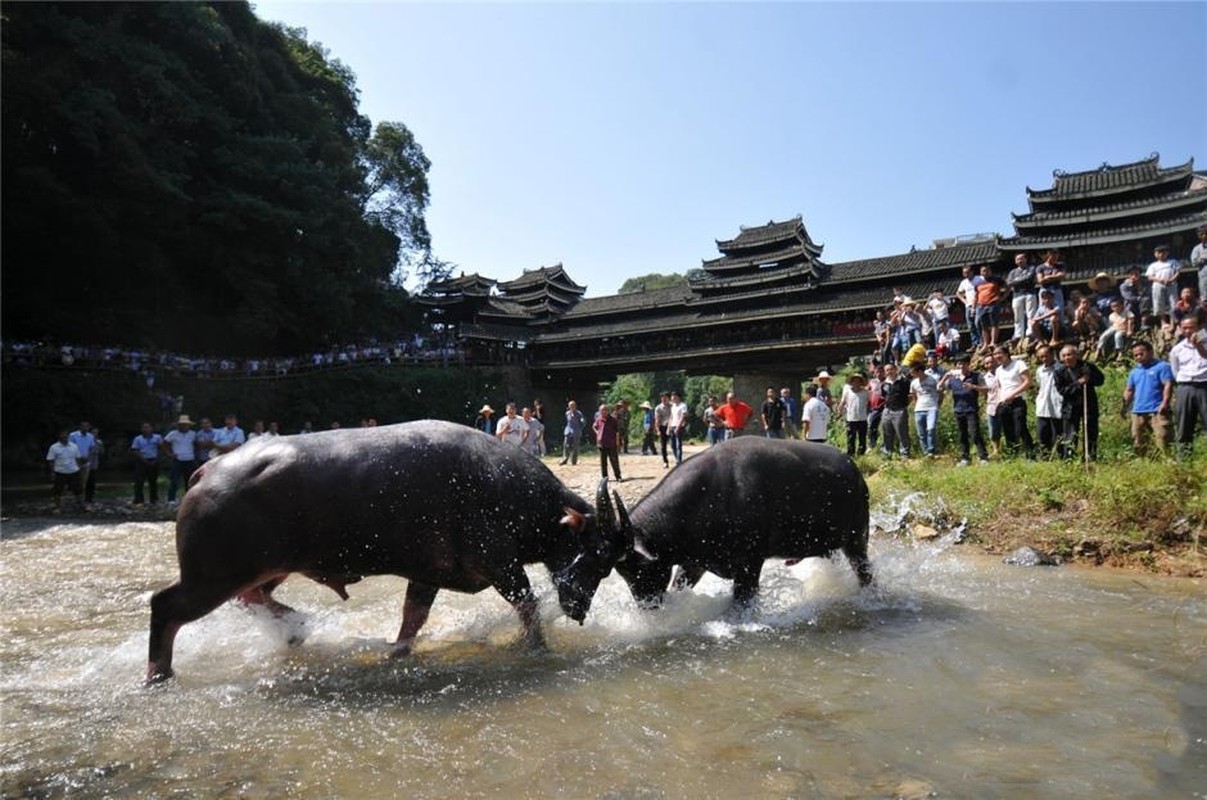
[956, 677]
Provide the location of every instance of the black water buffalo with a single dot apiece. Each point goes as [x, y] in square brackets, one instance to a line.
[443, 505]
[732, 506]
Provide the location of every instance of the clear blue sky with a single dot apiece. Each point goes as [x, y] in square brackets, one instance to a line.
[623, 139]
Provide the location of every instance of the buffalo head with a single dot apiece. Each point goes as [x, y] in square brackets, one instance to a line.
[602, 542]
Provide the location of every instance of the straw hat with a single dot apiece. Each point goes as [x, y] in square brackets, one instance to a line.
[184, 420]
[486, 410]
[646, 405]
[1098, 280]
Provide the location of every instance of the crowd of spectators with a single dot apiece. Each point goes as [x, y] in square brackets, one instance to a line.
[415, 349]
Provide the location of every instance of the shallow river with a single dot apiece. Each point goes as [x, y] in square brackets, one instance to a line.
[956, 677]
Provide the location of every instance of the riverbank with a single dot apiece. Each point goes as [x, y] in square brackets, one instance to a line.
[1149, 516]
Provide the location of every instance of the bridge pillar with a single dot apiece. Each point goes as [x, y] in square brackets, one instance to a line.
[752, 388]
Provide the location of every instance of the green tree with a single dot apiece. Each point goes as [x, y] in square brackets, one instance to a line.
[648, 283]
[185, 176]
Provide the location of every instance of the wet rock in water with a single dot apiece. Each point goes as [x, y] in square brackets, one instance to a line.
[924, 533]
[1030, 557]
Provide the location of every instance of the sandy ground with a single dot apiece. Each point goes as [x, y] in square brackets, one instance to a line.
[640, 473]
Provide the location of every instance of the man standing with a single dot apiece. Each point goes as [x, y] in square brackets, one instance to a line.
[229, 437]
[512, 428]
[815, 416]
[84, 440]
[966, 294]
[894, 419]
[676, 426]
[924, 392]
[1013, 381]
[734, 414]
[1149, 393]
[1198, 260]
[773, 415]
[485, 420]
[662, 417]
[607, 438]
[964, 384]
[182, 445]
[823, 389]
[853, 405]
[990, 293]
[572, 433]
[1188, 362]
[648, 429]
[1021, 281]
[146, 463]
[203, 443]
[1162, 274]
[623, 419]
[791, 412]
[875, 405]
[63, 459]
[1049, 427]
[1077, 382]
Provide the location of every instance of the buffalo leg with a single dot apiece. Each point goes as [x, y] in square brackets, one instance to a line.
[261, 595]
[170, 609]
[686, 577]
[857, 554]
[746, 585]
[415, 609]
[516, 590]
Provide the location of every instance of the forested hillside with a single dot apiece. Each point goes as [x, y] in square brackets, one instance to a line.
[185, 176]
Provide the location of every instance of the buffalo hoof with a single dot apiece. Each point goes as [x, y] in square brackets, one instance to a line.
[400, 650]
[157, 676]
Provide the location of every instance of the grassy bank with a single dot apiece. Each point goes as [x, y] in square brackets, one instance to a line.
[1148, 515]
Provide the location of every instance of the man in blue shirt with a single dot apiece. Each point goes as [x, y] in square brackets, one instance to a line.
[572, 433]
[84, 440]
[146, 463]
[1148, 392]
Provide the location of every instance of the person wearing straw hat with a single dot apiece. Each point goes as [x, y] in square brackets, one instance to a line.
[649, 430]
[182, 445]
[485, 421]
[1103, 286]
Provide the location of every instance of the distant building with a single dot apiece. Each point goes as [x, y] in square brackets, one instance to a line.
[769, 302]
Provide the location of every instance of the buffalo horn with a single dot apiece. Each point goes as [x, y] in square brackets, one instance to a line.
[603, 505]
[626, 524]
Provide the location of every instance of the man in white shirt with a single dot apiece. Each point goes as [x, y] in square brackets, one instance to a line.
[966, 294]
[182, 444]
[63, 458]
[1163, 275]
[676, 426]
[84, 440]
[814, 417]
[512, 428]
[1048, 402]
[1188, 361]
[1013, 381]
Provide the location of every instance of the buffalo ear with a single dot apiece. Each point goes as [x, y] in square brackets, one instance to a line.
[574, 519]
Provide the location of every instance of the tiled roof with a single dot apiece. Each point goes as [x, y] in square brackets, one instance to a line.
[555, 275]
[633, 301]
[469, 284]
[798, 274]
[501, 333]
[1177, 200]
[1108, 180]
[952, 258]
[501, 306]
[792, 230]
[1122, 233]
[793, 251]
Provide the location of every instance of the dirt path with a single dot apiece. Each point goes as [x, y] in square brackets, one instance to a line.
[640, 473]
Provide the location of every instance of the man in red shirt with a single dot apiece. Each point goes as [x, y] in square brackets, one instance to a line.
[734, 414]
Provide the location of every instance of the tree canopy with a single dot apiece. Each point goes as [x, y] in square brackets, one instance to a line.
[652, 281]
[186, 176]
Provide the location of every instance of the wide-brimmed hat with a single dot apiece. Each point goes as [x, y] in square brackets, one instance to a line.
[823, 374]
[646, 404]
[1099, 278]
[184, 420]
[486, 410]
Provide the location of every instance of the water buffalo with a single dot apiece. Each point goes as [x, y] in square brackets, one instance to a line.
[732, 506]
[443, 505]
